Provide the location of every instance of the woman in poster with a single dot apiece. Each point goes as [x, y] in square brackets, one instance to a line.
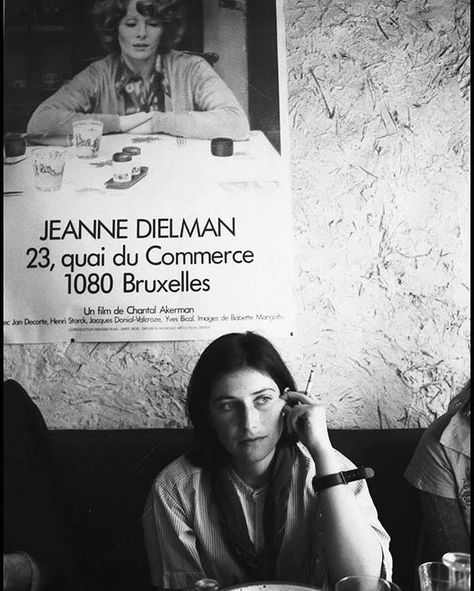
[144, 85]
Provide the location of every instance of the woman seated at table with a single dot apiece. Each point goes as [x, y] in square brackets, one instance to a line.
[143, 85]
[242, 504]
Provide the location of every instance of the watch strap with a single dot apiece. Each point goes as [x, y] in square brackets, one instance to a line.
[322, 482]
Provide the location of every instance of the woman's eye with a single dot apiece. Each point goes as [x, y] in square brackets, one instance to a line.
[226, 406]
[263, 400]
[154, 24]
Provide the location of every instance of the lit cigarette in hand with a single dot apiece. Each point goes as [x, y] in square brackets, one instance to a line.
[309, 385]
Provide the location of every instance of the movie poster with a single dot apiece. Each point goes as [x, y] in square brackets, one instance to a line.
[160, 226]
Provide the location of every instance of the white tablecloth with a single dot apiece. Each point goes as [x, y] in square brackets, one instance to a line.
[254, 162]
[190, 205]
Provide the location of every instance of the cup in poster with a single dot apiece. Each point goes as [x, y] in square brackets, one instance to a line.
[135, 153]
[87, 135]
[48, 167]
[122, 167]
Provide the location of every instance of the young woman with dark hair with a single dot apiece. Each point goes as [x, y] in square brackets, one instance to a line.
[144, 85]
[258, 496]
[227, 355]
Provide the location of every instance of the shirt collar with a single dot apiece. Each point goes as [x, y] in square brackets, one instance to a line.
[243, 486]
[457, 434]
[125, 74]
[159, 63]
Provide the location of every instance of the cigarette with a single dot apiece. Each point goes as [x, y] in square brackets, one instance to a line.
[309, 384]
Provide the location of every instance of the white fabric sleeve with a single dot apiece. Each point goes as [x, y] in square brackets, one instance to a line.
[170, 542]
[362, 495]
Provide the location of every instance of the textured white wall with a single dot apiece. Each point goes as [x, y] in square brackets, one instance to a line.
[379, 117]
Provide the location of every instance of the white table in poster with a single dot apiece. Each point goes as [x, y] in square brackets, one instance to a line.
[201, 246]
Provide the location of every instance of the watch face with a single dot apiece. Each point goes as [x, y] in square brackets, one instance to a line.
[271, 586]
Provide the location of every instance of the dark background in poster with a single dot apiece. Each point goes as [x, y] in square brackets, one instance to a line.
[47, 42]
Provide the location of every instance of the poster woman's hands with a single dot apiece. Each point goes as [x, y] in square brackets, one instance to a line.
[136, 122]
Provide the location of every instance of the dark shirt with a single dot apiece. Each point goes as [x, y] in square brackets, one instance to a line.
[30, 504]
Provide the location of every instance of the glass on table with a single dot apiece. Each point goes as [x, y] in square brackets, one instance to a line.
[459, 564]
[48, 168]
[87, 134]
[434, 576]
[365, 583]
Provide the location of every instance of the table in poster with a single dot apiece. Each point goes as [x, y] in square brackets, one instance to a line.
[201, 246]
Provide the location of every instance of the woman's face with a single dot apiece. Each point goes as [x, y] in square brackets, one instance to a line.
[138, 36]
[245, 409]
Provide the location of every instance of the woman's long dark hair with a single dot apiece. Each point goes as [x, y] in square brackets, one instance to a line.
[108, 14]
[224, 355]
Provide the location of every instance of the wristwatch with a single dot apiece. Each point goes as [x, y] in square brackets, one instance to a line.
[322, 482]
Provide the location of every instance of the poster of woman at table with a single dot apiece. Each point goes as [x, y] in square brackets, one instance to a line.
[146, 171]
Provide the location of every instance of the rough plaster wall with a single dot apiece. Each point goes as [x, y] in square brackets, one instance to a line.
[379, 115]
[380, 139]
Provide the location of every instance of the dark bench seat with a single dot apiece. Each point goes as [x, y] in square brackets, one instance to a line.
[104, 477]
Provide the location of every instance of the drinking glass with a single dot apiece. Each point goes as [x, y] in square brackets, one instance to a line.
[363, 583]
[459, 564]
[434, 576]
[87, 136]
[48, 167]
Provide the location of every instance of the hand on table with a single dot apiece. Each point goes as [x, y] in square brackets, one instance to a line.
[144, 128]
[308, 420]
[136, 122]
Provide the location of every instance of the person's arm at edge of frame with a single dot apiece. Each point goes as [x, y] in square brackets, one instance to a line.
[350, 545]
[21, 572]
[431, 473]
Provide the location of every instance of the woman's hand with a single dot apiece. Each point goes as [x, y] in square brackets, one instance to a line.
[350, 544]
[135, 122]
[144, 128]
[308, 420]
